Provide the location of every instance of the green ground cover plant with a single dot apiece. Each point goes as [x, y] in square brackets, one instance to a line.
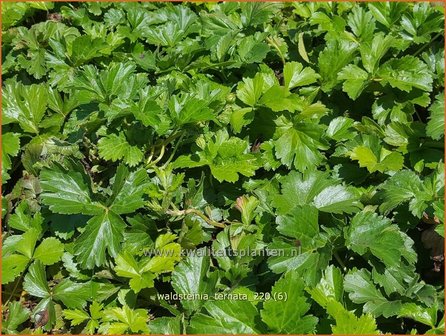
[210, 168]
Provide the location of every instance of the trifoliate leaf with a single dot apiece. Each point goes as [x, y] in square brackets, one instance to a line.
[370, 232]
[251, 89]
[225, 317]
[315, 188]
[298, 144]
[355, 80]
[406, 73]
[295, 75]
[25, 105]
[128, 189]
[10, 148]
[289, 316]
[404, 186]
[116, 147]
[330, 287]
[435, 125]
[373, 51]
[103, 232]
[128, 267]
[191, 277]
[337, 54]
[226, 156]
[348, 324]
[189, 110]
[362, 291]
[125, 319]
[361, 23]
[373, 156]
[67, 192]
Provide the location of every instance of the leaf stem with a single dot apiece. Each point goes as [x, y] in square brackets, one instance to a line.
[416, 53]
[175, 147]
[15, 288]
[274, 44]
[197, 213]
[339, 260]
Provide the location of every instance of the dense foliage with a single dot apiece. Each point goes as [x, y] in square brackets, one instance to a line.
[135, 133]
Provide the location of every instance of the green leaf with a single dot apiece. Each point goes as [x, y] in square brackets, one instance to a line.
[240, 118]
[329, 288]
[348, 324]
[404, 186]
[128, 267]
[298, 144]
[117, 79]
[35, 282]
[116, 147]
[288, 316]
[295, 75]
[362, 291]
[165, 325]
[373, 156]
[370, 232]
[128, 190]
[300, 223]
[25, 105]
[150, 113]
[168, 254]
[76, 316]
[318, 189]
[361, 23]
[225, 317]
[226, 156]
[189, 110]
[192, 276]
[103, 233]
[372, 52]
[251, 89]
[339, 129]
[49, 251]
[355, 80]
[67, 192]
[71, 294]
[17, 314]
[125, 319]
[10, 148]
[12, 266]
[336, 54]
[406, 73]
[278, 98]
[435, 125]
